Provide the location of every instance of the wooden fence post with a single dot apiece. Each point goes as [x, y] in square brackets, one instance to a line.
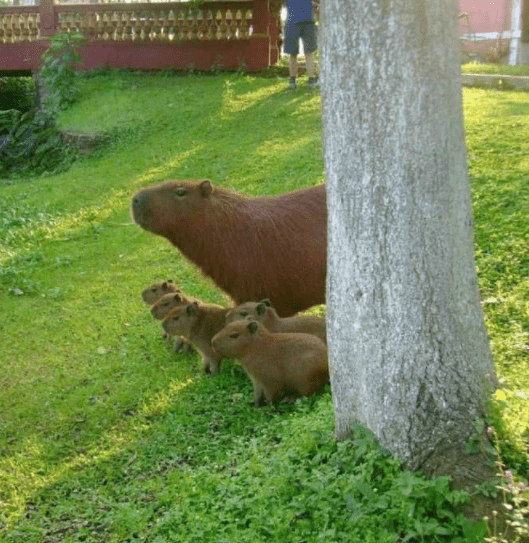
[47, 18]
[260, 38]
[275, 30]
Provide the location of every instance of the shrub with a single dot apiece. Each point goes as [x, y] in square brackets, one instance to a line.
[16, 93]
[29, 142]
[57, 74]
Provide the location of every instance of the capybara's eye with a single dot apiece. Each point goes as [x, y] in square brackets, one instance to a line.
[234, 335]
[243, 313]
[180, 192]
[175, 318]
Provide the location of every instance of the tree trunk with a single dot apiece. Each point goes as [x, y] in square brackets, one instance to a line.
[408, 350]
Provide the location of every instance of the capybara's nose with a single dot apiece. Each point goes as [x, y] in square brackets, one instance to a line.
[139, 204]
[140, 201]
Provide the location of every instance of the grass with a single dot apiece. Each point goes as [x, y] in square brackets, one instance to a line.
[498, 166]
[105, 435]
[493, 69]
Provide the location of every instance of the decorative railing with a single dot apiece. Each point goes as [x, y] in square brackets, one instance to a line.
[162, 21]
[130, 22]
[20, 26]
[229, 34]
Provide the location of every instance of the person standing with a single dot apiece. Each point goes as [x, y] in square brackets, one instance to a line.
[300, 25]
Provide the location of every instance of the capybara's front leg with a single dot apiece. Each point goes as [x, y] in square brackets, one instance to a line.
[178, 343]
[211, 365]
[186, 346]
[258, 395]
[181, 344]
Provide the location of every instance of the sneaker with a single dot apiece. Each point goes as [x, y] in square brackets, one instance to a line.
[292, 84]
[313, 83]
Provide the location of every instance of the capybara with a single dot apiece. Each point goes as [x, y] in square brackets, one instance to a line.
[198, 323]
[161, 308]
[164, 296]
[264, 313]
[153, 293]
[164, 306]
[281, 366]
[253, 248]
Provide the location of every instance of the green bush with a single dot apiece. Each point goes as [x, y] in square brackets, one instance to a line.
[30, 143]
[58, 71]
[17, 93]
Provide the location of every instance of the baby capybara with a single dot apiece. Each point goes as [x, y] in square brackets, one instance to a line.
[280, 366]
[198, 323]
[166, 303]
[253, 248]
[264, 313]
[164, 296]
[153, 293]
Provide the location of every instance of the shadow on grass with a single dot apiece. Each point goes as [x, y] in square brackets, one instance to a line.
[174, 447]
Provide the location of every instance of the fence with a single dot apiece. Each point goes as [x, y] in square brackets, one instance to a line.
[228, 34]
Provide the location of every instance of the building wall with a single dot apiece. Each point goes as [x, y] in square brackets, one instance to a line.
[491, 30]
[486, 16]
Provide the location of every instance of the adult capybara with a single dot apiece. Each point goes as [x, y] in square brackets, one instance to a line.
[264, 313]
[198, 323]
[281, 366]
[253, 248]
[153, 293]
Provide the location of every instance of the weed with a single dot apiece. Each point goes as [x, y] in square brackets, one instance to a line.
[190, 68]
[216, 66]
[515, 503]
[241, 65]
[58, 71]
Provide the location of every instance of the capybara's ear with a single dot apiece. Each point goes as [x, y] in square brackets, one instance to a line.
[261, 308]
[178, 298]
[266, 301]
[252, 327]
[206, 188]
[192, 309]
[164, 284]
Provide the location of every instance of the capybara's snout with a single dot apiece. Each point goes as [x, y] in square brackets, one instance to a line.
[139, 207]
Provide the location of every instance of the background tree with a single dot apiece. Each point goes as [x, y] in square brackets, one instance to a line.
[409, 353]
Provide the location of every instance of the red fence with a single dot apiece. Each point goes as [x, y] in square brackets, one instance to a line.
[229, 34]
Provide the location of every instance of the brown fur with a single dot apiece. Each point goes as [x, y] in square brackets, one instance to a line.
[164, 296]
[267, 247]
[279, 365]
[168, 302]
[198, 323]
[264, 313]
[153, 293]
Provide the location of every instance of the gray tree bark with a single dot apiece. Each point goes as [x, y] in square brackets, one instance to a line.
[409, 353]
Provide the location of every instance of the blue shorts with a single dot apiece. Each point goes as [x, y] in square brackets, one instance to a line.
[306, 31]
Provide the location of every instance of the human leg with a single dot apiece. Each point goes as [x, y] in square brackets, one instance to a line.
[291, 48]
[293, 70]
[310, 65]
[308, 35]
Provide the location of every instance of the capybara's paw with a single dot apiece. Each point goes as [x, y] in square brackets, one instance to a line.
[178, 344]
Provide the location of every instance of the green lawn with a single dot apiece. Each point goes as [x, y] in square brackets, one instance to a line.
[494, 69]
[105, 435]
